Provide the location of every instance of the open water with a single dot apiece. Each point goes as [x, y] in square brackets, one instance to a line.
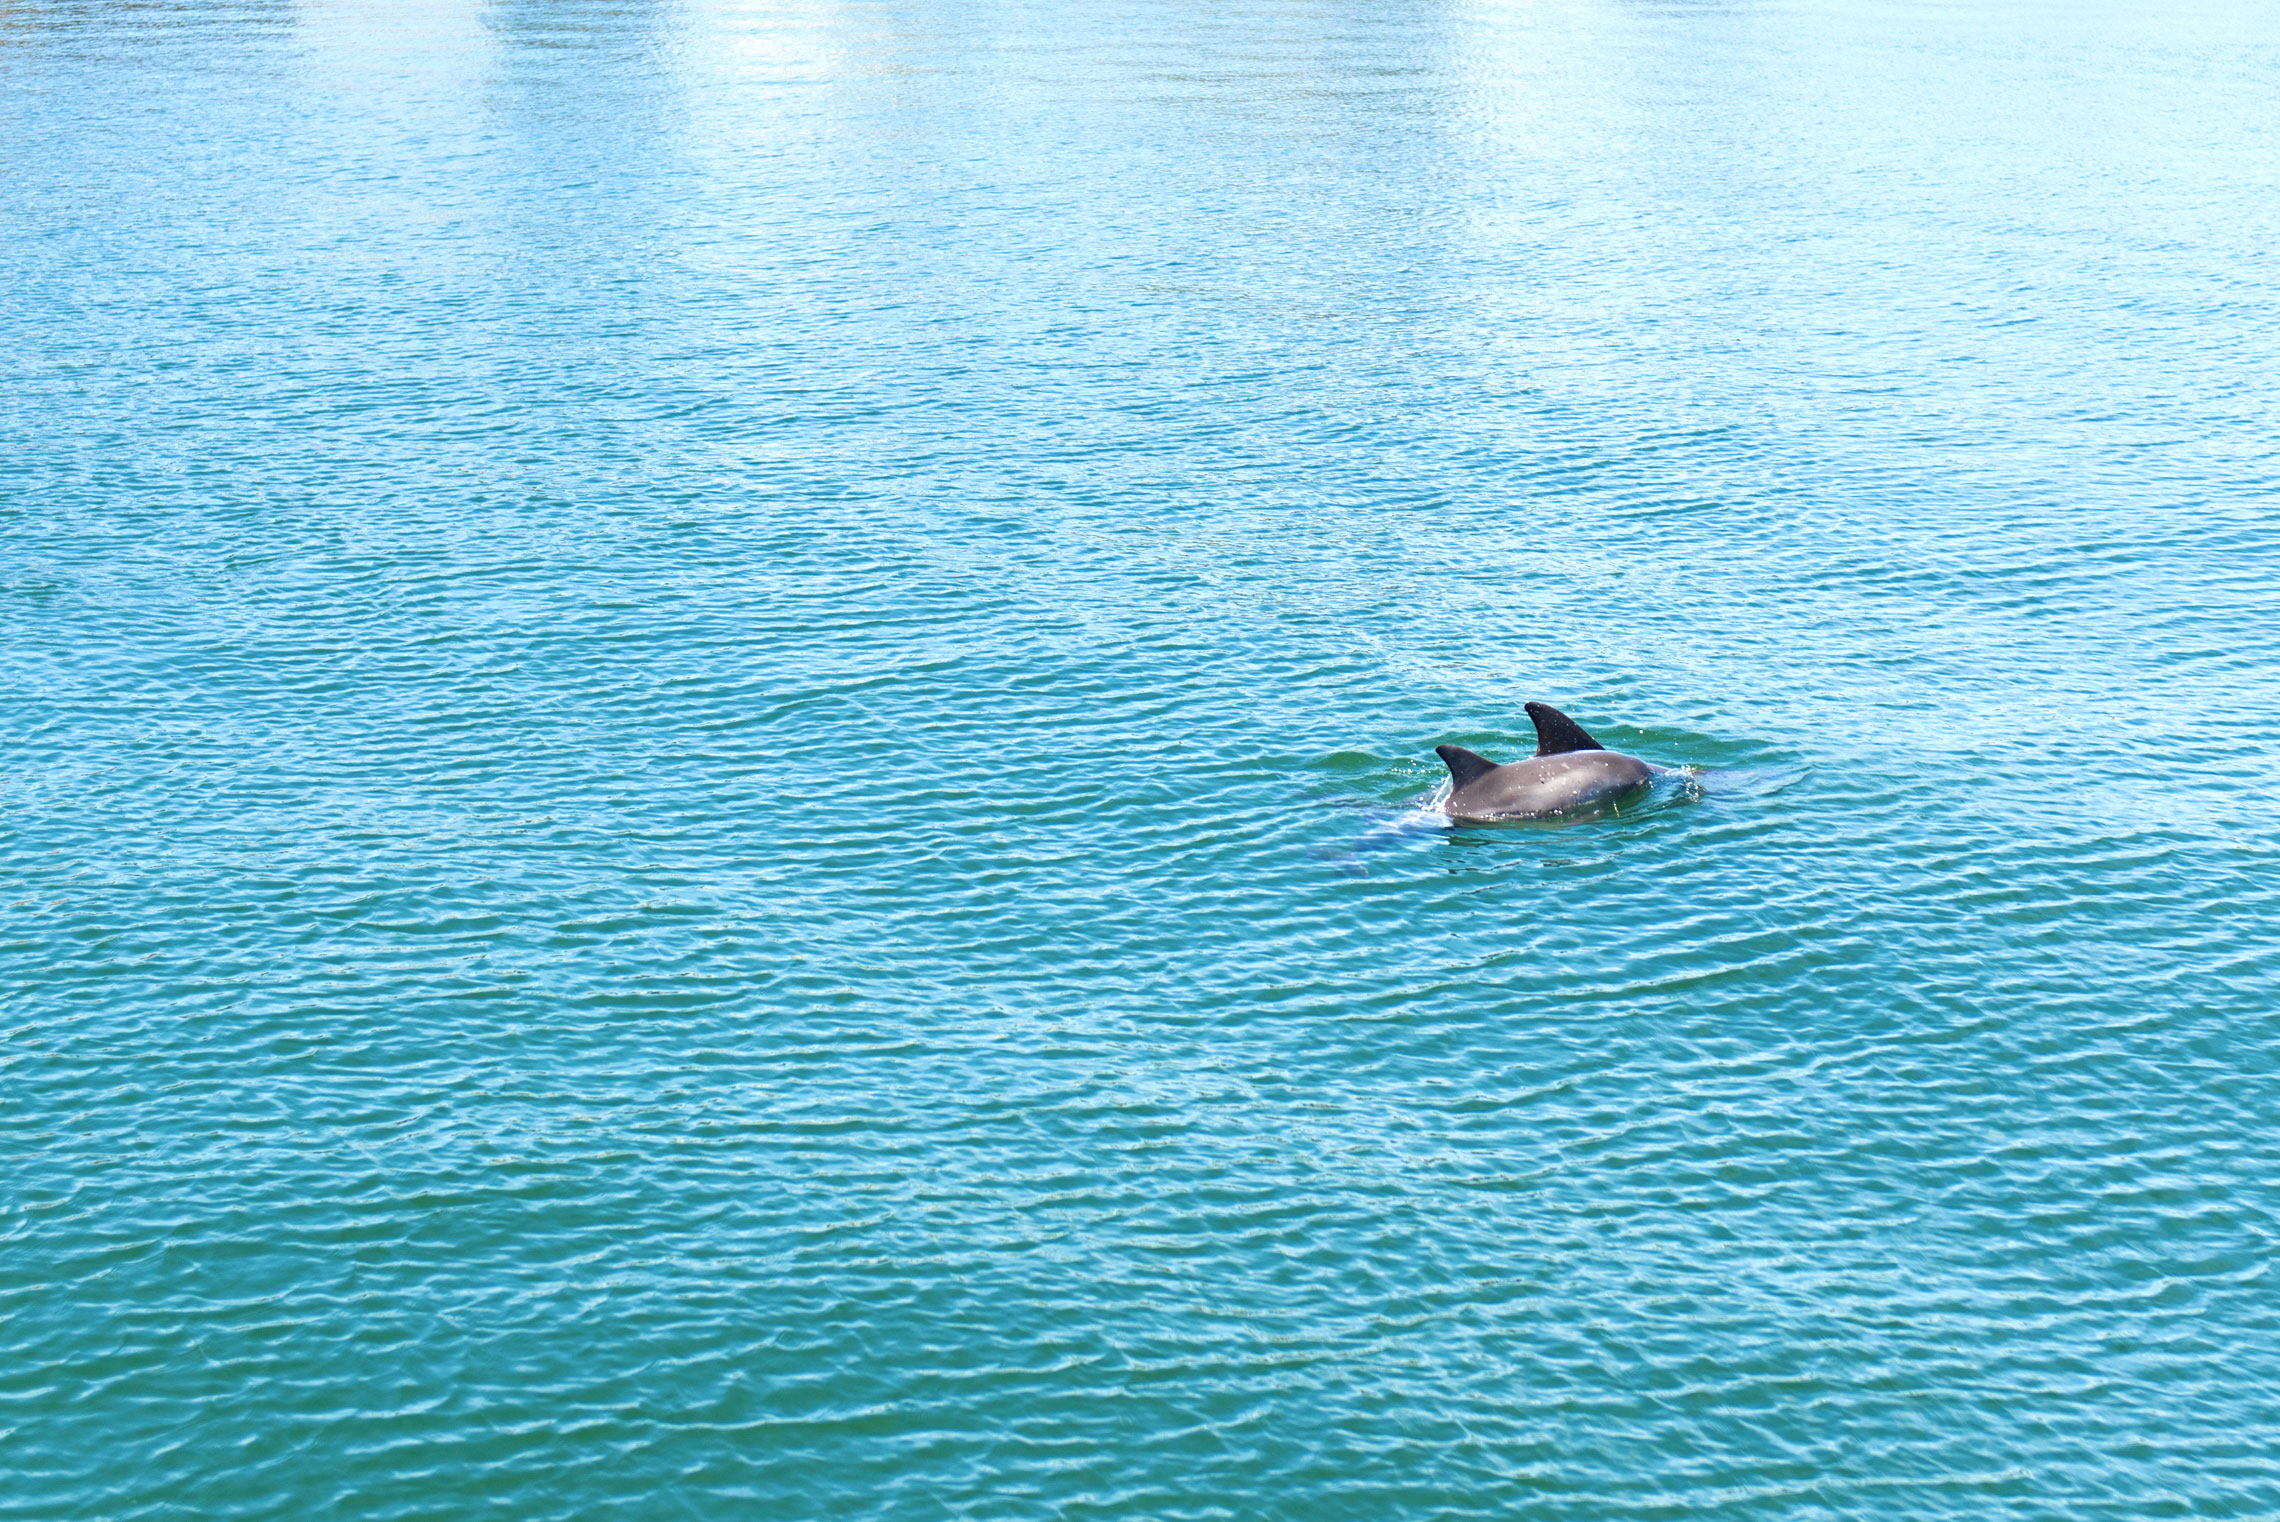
[715, 717]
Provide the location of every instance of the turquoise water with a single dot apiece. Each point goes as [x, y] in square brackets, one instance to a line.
[718, 715]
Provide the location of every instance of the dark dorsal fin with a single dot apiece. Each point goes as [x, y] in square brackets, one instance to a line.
[1557, 734]
[1464, 766]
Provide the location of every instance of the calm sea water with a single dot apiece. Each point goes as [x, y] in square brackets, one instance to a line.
[716, 719]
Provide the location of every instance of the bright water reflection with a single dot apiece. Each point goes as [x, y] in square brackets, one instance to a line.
[716, 718]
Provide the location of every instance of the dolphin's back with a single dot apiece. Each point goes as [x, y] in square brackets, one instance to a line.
[1546, 785]
[1570, 773]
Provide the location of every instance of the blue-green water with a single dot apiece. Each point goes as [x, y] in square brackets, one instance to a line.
[715, 719]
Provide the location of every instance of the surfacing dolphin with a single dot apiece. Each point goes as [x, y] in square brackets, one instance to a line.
[1570, 773]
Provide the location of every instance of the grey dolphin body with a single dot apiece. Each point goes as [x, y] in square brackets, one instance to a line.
[1570, 773]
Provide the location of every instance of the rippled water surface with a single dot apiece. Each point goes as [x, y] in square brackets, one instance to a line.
[717, 719]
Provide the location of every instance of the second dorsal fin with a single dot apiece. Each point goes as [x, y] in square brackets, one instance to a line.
[1557, 734]
[1464, 765]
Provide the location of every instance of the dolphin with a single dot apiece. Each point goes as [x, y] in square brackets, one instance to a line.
[1570, 773]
